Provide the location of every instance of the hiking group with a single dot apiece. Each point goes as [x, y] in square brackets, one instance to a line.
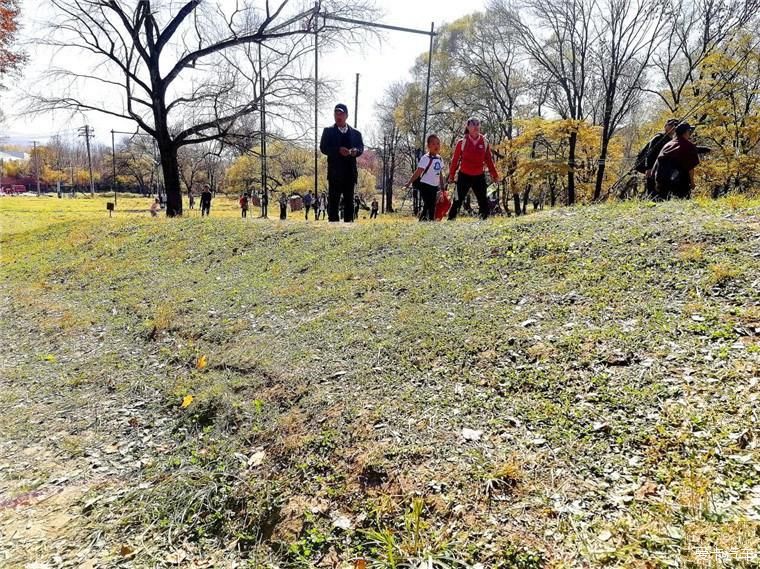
[668, 161]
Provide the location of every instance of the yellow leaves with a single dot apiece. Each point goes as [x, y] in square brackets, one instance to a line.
[202, 362]
[187, 400]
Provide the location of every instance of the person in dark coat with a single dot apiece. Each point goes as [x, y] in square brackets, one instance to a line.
[674, 170]
[648, 156]
[342, 145]
[206, 200]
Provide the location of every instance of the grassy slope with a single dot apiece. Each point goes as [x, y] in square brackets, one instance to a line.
[609, 355]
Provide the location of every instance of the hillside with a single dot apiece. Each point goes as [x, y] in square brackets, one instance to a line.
[578, 388]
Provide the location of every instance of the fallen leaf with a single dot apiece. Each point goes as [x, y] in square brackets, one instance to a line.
[175, 557]
[257, 458]
[646, 489]
[471, 434]
[202, 362]
[126, 551]
[605, 535]
[186, 401]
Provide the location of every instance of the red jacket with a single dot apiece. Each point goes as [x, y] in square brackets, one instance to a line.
[477, 153]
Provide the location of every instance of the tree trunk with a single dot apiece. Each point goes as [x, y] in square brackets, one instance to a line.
[526, 197]
[170, 169]
[572, 142]
[601, 165]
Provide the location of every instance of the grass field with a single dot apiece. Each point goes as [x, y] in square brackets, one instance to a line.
[575, 388]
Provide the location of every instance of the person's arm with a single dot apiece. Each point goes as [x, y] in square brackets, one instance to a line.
[455, 161]
[417, 173]
[326, 145]
[491, 166]
[358, 148]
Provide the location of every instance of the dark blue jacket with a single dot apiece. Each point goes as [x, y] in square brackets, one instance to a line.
[338, 167]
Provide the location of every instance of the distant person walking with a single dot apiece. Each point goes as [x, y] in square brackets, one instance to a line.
[191, 199]
[244, 205]
[308, 199]
[283, 206]
[264, 203]
[647, 157]
[342, 145]
[471, 155]
[322, 206]
[373, 209]
[206, 200]
[357, 206]
[427, 179]
[155, 207]
[674, 170]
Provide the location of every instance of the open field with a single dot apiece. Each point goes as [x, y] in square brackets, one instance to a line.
[576, 388]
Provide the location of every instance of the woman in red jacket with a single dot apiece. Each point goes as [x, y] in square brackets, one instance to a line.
[471, 154]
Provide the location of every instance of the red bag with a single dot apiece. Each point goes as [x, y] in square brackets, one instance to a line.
[442, 205]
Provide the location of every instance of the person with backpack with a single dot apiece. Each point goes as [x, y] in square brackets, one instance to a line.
[243, 205]
[647, 156]
[674, 169]
[471, 155]
[283, 206]
[373, 209]
[427, 179]
[206, 200]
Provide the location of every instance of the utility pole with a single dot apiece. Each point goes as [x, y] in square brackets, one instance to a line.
[316, 97]
[356, 103]
[427, 87]
[113, 162]
[263, 120]
[87, 132]
[385, 150]
[37, 167]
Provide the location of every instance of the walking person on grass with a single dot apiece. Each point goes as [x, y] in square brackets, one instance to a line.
[206, 200]
[427, 179]
[472, 155]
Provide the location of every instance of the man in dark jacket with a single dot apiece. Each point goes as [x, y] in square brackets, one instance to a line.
[648, 156]
[206, 200]
[674, 170]
[342, 145]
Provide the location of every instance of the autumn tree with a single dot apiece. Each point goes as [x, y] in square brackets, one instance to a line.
[558, 37]
[11, 57]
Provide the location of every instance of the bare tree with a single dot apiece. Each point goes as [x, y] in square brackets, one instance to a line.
[696, 28]
[491, 57]
[558, 37]
[185, 71]
[627, 32]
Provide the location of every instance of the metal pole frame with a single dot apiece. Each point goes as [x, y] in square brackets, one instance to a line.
[113, 163]
[316, 97]
[263, 119]
[327, 16]
[427, 86]
[356, 103]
